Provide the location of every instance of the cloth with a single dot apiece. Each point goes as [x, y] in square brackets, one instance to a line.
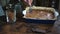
[1, 11]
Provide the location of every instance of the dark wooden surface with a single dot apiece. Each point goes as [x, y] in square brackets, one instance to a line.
[21, 27]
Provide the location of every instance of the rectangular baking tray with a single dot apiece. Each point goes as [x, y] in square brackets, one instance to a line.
[40, 21]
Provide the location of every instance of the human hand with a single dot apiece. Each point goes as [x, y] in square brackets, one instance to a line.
[29, 2]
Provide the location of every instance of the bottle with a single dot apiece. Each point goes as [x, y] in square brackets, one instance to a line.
[19, 9]
[18, 6]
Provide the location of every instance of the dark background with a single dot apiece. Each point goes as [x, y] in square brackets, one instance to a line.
[47, 3]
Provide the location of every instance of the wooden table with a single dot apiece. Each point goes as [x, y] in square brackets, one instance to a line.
[26, 28]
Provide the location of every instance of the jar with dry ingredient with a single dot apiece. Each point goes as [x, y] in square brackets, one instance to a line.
[10, 14]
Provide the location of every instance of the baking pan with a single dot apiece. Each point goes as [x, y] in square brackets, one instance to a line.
[40, 21]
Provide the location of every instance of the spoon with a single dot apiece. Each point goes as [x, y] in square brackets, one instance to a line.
[30, 4]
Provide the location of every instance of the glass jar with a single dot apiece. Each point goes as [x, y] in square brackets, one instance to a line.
[10, 14]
